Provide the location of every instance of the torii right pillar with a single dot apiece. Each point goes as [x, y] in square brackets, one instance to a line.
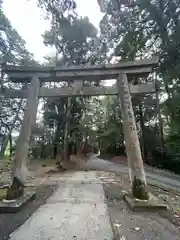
[135, 162]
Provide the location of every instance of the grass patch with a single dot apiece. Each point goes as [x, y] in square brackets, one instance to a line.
[3, 192]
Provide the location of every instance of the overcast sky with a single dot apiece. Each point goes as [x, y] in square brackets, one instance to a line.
[28, 20]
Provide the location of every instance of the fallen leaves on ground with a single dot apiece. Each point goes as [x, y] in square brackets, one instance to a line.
[172, 198]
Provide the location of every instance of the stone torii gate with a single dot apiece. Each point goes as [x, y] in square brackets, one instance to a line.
[124, 72]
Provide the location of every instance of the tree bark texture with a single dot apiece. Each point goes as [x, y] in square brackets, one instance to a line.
[10, 146]
[136, 170]
[66, 131]
[56, 141]
[161, 130]
[142, 129]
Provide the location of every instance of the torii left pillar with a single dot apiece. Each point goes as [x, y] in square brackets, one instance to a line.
[19, 171]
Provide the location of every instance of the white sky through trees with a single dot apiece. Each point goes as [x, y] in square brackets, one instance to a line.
[29, 22]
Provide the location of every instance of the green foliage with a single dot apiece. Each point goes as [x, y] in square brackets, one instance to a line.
[57, 6]
[109, 131]
[12, 51]
[171, 155]
[73, 38]
[142, 29]
[128, 30]
[12, 46]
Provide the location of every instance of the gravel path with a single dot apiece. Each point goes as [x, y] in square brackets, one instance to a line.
[157, 178]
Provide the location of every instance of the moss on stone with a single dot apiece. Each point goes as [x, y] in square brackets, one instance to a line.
[139, 189]
[16, 189]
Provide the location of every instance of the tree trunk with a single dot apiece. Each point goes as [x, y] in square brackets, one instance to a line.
[10, 146]
[56, 140]
[137, 174]
[4, 146]
[160, 123]
[19, 171]
[1, 86]
[66, 131]
[143, 143]
[99, 147]
[42, 148]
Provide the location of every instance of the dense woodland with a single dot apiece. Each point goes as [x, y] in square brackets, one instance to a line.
[128, 30]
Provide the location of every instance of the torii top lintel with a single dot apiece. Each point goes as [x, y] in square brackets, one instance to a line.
[139, 68]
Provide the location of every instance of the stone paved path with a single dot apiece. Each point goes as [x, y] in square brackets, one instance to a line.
[76, 210]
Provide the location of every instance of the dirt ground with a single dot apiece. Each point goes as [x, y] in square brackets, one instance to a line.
[39, 173]
[126, 224]
[140, 226]
[37, 169]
